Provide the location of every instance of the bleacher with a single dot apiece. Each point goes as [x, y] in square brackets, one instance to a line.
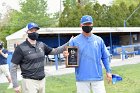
[127, 51]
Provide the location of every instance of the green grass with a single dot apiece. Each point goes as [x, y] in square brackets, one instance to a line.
[66, 83]
[131, 80]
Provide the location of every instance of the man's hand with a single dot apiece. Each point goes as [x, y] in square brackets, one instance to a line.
[17, 89]
[71, 38]
[65, 53]
[109, 77]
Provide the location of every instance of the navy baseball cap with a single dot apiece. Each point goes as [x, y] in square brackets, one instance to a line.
[32, 25]
[86, 19]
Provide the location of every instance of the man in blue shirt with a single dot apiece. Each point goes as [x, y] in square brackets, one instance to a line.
[92, 51]
[3, 64]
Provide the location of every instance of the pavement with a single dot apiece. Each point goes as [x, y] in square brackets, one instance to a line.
[50, 70]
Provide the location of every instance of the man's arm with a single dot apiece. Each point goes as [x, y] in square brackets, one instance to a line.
[105, 60]
[16, 60]
[106, 64]
[108, 69]
[58, 50]
[14, 75]
[3, 54]
[105, 57]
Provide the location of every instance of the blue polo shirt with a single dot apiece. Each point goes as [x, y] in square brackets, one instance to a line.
[92, 51]
[3, 60]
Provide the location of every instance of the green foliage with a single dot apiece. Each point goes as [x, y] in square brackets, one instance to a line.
[127, 2]
[134, 19]
[104, 16]
[68, 17]
[31, 11]
[34, 11]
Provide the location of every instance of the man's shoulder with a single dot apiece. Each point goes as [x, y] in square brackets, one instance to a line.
[40, 43]
[20, 46]
[96, 37]
[23, 43]
[5, 50]
[77, 37]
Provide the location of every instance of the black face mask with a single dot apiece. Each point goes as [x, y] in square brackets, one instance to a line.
[33, 36]
[87, 29]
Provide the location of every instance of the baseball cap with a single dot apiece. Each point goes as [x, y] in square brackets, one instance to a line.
[116, 78]
[86, 19]
[32, 25]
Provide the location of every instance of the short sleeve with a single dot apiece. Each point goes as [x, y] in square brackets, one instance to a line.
[5, 51]
[17, 56]
[47, 49]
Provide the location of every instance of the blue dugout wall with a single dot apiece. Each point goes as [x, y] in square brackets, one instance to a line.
[54, 40]
[111, 40]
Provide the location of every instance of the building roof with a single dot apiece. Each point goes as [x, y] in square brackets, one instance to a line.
[68, 30]
[16, 35]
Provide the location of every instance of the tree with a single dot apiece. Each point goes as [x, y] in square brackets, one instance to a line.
[34, 11]
[134, 19]
[71, 15]
[103, 15]
[127, 2]
[66, 19]
[116, 16]
[4, 26]
[98, 14]
[31, 11]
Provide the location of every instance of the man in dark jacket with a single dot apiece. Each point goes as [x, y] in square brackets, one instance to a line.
[30, 55]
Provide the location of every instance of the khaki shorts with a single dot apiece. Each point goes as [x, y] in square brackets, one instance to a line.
[33, 86]
[4, 69]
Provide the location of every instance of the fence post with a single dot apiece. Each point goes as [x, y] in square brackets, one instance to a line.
[56, 61]
[123, 53]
